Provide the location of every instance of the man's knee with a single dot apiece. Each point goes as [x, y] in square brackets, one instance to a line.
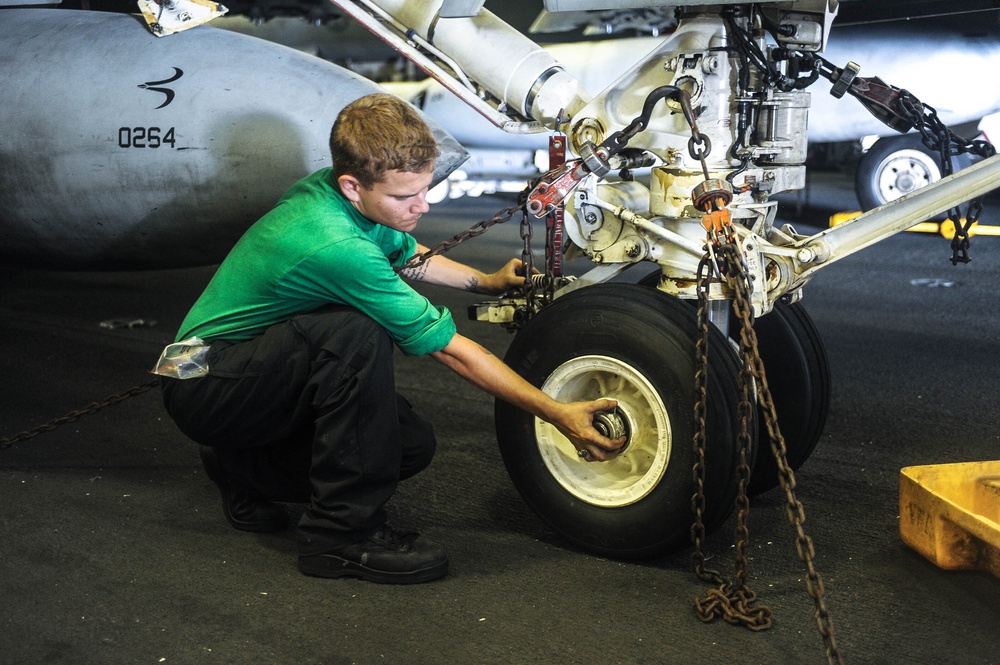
[417, 437]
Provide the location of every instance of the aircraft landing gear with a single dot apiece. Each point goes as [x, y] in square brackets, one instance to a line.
[635, 345]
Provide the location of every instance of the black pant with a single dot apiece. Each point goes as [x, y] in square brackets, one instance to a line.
[308, 412]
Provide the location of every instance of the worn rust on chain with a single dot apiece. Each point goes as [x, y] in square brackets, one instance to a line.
[786, 477]
[72, 416]
[476, 229]
[534, 300]
[732, 600]
[700, 409]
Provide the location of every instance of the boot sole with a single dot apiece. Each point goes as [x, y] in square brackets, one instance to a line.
[278, 523]
[333, 566]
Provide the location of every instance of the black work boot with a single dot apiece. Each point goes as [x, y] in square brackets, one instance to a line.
[386, 557]
[244, 512]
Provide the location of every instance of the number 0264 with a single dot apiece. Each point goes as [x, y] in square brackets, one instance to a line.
[145, 137]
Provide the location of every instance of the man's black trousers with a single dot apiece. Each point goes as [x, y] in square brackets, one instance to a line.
[308, 412]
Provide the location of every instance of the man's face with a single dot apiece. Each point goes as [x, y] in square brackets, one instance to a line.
[397, 201]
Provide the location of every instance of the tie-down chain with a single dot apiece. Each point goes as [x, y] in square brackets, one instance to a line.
[734, 600]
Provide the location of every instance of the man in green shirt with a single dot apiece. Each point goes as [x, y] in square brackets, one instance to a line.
[294, 398]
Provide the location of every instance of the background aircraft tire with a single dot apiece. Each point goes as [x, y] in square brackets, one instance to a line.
[635, 345]
[893, 167]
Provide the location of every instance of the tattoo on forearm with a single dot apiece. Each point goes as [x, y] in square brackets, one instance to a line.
[472, 284]
[416, 273]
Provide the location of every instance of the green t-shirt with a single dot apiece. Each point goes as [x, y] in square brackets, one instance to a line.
[314, 248]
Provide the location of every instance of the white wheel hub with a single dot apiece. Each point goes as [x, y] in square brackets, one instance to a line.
[639, 469]
[903, 172]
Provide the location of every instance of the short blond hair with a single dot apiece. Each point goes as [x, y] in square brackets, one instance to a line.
[379, 133]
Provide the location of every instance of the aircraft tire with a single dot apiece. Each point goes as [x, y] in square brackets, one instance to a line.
[798, 373]
[798, 376]
[893, 167]
[635, 345]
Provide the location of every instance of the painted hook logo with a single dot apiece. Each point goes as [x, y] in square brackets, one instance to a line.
[167, 92]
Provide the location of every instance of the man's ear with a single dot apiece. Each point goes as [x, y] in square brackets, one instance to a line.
[350, 187]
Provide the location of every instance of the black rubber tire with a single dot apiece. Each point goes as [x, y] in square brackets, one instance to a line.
[894, 166]
[655, 334]
[798, 375]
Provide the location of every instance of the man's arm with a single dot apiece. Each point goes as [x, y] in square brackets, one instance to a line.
[575, 420]
[445, 272]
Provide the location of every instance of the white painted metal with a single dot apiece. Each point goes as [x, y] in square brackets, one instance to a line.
[503, 61]
[666, 226]
[122, 150]
[637, 471]
[865, 230]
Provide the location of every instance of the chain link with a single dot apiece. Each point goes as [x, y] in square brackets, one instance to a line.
[72, 416]
[533, 303]
[733, 600]
[935, 135]
[475, 230]
[786, 477]
[698, 562]
[538, 289]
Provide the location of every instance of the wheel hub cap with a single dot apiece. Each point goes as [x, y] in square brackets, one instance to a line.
[640, 415]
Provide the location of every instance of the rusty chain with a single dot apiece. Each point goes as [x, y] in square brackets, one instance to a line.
[936, 136]
[538, 289]
[786, 477]
[733, 600]
[730, 600]
[902, 111]
[72, 416]
[532, 302]
[476, 229]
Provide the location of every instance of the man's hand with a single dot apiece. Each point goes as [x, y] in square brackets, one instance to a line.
[509, 276]
[575, 421]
